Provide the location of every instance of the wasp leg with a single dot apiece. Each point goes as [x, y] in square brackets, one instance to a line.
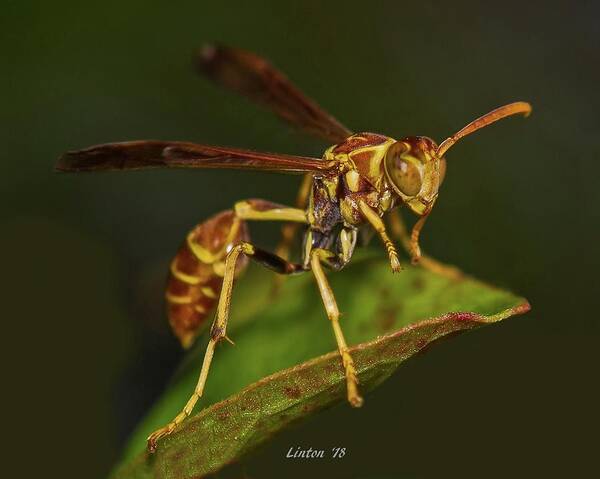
[218, 330]
[262, 210]
[377, 223]
[333, 314]
[399, 230]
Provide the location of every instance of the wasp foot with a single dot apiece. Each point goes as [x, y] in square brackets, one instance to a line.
[159, 433]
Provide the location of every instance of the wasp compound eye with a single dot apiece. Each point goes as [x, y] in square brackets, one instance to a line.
[403, 171]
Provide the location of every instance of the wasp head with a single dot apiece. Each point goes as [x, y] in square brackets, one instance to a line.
[415, 172]
[415, 166]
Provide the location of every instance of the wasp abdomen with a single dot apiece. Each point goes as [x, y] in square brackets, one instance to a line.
[196, 274]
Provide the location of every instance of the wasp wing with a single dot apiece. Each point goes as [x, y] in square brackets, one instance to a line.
[135, 155]
[254, 77]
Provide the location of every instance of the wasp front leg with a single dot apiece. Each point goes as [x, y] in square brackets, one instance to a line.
[377, 223]
[411, 245]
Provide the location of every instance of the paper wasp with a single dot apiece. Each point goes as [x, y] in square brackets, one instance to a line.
[357, 181]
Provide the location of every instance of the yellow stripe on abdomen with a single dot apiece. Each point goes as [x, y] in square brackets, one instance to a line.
[195, 277]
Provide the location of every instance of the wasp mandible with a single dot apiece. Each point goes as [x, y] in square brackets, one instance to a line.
[358, 180]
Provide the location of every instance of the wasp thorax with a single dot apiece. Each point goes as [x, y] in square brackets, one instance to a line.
[414, 171]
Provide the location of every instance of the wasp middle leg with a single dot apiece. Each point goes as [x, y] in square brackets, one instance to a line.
[333, 313]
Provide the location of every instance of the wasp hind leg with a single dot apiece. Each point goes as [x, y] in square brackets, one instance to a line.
[333, 313]
[410, 244]
[218, 330]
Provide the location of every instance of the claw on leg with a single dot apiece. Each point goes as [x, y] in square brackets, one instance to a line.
[354, 397]
[159, 433]
[169, 428]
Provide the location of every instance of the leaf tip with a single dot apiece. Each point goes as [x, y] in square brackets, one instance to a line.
[522, 308]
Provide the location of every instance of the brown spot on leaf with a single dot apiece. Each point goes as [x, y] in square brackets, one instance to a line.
[461, 316]
[386, 317]
[418, 283]
[223, 415]
[387, 311]
[292, 392]
[321, 380]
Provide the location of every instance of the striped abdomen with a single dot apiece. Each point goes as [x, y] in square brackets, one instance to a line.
[197, 270]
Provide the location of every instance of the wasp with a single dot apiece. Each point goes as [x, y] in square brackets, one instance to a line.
[358, 180]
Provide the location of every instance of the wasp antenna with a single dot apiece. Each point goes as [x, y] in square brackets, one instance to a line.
[485, 120]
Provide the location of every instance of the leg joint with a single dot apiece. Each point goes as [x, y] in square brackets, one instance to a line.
[217, 333]
[247, 248]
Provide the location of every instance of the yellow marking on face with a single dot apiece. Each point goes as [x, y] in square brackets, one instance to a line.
[208, 292]
[385, 201]
[183, 277]
[171, 298]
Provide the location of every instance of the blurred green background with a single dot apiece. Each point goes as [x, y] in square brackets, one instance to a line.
[86, 343]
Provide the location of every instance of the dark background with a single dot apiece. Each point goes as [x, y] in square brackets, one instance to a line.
[86, 345]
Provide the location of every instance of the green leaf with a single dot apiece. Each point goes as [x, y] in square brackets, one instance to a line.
[268, 380]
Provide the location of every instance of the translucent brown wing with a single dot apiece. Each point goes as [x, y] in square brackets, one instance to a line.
[254, 77]
[135, 155]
